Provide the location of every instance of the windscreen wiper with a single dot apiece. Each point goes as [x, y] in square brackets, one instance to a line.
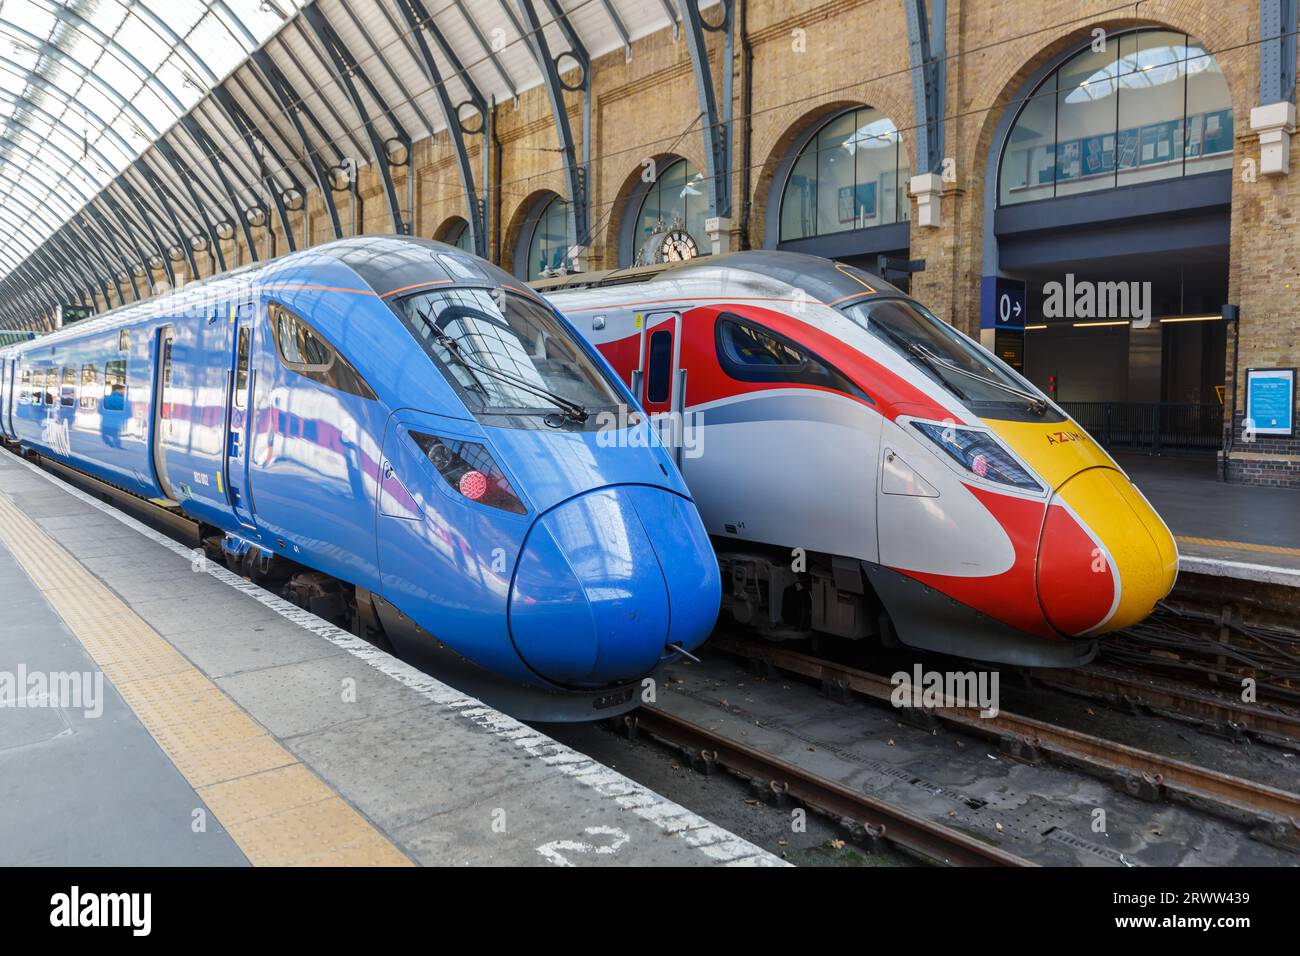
[1036, 405]
[571, 409]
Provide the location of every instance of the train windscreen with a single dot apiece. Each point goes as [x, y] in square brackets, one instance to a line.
[971, 374]
[508, 353]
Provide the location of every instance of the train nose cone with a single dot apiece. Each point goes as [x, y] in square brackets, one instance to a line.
[609, 578]
[1105, 557]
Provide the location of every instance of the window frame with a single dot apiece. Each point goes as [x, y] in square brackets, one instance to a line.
[315, 372]
[800, 374]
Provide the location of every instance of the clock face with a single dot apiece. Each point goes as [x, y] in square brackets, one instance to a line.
[678, 246]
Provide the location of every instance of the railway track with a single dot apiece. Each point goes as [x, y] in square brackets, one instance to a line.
[1273, 815]
[1178, 702]
[875, 818]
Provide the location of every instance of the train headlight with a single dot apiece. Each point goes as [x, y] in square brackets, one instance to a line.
[468, 467]
[979, 453]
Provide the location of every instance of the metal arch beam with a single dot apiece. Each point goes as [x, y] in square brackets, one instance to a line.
[417, 17]
[383, 60]
[209, 150]
[91, 238]
[186, 177]
[716, 131]
[1277, 51]
[619, 26]
[327, 102]
[295, 109]
[76, 256]
[576, 209]
[128, 189]
[51, 283]
[131, 230]
[346, 67]
[239, 119]
[192, 173]
[245, 169]
[926, 42]
[168, 214]
[264, 119]
[167, 199]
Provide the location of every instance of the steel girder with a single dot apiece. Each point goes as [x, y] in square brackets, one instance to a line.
[417, 16]
[295, 108]
[1277, 51]
[577, 209]
[259, 145]
[716, 128]
[348, 71]
[926, 48]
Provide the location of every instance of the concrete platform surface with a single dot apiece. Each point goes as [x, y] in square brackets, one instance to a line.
[157, 709]
[1225, 529]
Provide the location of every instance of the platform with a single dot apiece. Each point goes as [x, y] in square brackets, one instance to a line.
[171, 713]
[1223, 529]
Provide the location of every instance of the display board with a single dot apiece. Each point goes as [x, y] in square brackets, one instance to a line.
[1270, 401]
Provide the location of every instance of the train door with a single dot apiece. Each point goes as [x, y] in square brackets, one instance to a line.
[239, 406]
[162, 426]
[7, 391]
[660, 383]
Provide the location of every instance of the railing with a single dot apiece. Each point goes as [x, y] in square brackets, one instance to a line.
[1151, 426]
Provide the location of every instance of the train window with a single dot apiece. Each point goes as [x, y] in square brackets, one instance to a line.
[659, 367]
[941, 352]
[25, 395]
[89, 386]
[51, 386]
[751, 353]
[513, 354]
[303, 350]
[241, 367]
[114, 385]
[123, 340]
[68, 393]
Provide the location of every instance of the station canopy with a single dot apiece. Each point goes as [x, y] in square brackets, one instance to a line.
[137, 131]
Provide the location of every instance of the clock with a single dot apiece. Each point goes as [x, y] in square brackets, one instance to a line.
[668, 244]
[677, 246]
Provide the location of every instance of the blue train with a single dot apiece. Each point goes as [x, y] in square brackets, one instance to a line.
[404, 417]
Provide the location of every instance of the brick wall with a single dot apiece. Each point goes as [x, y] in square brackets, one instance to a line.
[809, 59]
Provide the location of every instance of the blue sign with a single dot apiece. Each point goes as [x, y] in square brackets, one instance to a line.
[1003, 303]
[1270, 401]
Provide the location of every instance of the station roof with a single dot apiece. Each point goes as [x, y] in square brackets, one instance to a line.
[133, 126]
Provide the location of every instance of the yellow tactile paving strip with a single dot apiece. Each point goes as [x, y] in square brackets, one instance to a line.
[276, 810]
[1240, 545]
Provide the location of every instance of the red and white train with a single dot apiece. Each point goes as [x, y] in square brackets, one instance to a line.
[863, 468]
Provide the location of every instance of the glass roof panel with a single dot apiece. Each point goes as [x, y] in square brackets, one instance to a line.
[130, 69]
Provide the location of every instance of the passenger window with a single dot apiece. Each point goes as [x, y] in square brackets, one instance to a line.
[241, 368]
[25, 395]
[303, 350]
[51, 386]
[114, 386]
[68, 394]
[659, 367]
[89, 386]
[750, 353]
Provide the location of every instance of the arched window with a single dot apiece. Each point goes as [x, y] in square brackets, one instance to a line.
[1152, 105]
[548, 244]
[678, 195]
[456, 233]
[852, 174]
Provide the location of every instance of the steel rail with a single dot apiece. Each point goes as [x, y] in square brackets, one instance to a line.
[881, 820]
[1141, 773]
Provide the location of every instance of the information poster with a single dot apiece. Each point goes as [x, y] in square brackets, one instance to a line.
[1270, 401]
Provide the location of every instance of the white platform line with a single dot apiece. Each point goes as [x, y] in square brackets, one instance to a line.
[1243, 570]
[713, 841]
